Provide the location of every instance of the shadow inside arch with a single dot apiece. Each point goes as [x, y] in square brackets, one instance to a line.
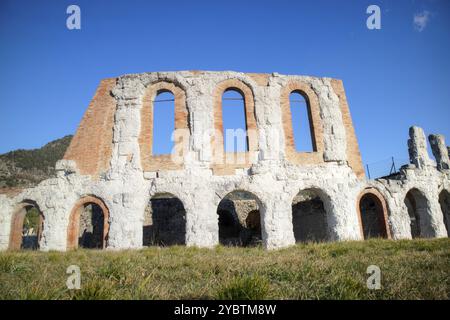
[239, 219]
[88, 224]
[164, 221]
[310, 215]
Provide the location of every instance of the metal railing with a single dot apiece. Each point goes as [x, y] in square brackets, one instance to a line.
[385, 167]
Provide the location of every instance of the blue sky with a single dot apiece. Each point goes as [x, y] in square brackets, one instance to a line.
[394, 77]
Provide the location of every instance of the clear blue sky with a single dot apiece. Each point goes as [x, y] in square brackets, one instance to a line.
[394, 77]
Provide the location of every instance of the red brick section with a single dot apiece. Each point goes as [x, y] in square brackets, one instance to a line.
[262, 79]
[353, 153]
[315, 122]
[91, 147]
[73, 228]
[15, 240]
[149, 161]
[382, 210]
[219, 166]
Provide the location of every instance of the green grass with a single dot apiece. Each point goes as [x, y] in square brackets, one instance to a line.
[417, 269]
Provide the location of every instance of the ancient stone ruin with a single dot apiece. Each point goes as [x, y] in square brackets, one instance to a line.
[113, 191]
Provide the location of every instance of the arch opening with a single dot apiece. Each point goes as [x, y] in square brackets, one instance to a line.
[27, 227]
[417, 205]
[309, 217]
[239, 220]
[90, 235]
[372, 214]
[234, 121]
[444, 201]
[301, 122]
[163, 122]
[164, 221]
[88, 224]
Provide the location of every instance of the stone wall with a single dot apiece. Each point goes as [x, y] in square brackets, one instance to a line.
[110, 163]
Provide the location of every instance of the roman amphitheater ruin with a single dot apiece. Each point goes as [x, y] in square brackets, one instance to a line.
[112, 191]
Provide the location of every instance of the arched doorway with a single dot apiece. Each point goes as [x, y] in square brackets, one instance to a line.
[27, 226]
[164, 221]
[239, 219]
[373, 214]
[417, 206]
[309, 216]
[88, 224]
[444, 201]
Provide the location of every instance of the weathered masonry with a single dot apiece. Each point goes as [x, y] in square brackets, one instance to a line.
[116, 189]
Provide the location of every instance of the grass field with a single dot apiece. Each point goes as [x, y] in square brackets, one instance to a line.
[416, 269]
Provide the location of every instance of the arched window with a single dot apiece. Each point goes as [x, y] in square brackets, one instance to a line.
[163, 122]
[301, 122]
[164, 115]
[234, 122]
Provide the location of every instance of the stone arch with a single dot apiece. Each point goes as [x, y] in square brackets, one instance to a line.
[444, 201]
[239, 160]
[310, 214]
[99, 222]
[373, 214]
[315, 123]
[26, 233]
[417, 205]
[149, 161]
[164, 221]
[239, 219]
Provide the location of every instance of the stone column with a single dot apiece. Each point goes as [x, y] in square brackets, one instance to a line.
[417, 148]
[6, 212]
[440, 152]
[126, 219]
[342, 215]
[276, 215]
[202, 224]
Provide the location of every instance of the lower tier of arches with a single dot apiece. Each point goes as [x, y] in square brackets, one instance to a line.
[237, 217]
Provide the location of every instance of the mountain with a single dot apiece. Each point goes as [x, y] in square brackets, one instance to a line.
[25, 168]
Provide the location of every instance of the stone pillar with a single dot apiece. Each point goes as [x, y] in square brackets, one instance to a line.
[126, 220]
[436, 218]
[440, 152]
[342, 214]
[417, 148]
[6, 212]
[276, 215]
[202, 224]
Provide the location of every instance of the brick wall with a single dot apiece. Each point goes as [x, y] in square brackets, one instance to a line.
[91, 147]
[353, 154]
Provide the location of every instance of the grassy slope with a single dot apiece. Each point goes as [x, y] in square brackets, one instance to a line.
[418, 269]
[24, 168]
